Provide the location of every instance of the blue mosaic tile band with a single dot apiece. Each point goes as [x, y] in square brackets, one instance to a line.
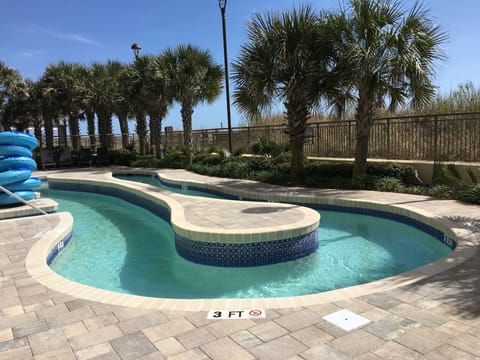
[58, 247]
[248, 254]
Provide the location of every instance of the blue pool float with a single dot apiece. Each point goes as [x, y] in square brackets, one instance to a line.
[14, 150]
[29, 184]
[6, 199]
[19, 139]
[14, 176]
[16, 166]
[16, 162]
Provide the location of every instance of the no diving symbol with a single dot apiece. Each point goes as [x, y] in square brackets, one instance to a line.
[255, 313]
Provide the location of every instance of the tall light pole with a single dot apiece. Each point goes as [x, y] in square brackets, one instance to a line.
[136, 49]
[223, 4]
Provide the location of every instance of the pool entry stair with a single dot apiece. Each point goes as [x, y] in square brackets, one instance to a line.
[16, 166]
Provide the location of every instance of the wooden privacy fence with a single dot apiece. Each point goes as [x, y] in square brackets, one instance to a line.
[445, 137]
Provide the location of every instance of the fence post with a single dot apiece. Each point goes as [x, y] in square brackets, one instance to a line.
[435, 138]
[389, 156]
[349, 138]
[318, 139]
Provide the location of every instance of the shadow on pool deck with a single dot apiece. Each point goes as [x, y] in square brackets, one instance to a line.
[459, 288]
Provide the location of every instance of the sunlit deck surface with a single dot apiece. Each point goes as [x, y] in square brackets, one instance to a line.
[433, 313]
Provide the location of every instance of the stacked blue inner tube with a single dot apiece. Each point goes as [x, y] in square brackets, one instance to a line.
[16, 166]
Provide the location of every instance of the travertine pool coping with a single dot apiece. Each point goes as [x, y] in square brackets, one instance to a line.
[407, 205]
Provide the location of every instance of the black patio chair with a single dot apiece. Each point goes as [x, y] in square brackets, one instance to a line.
[65, 157]
[85, 157]
[102, 156]
[47, 158]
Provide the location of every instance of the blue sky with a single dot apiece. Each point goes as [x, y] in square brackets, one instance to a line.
[36, 33]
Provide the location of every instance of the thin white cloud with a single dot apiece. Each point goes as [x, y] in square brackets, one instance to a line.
[30, 54]
[72, 37]
[62, 35]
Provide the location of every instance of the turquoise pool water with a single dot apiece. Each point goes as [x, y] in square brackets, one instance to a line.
[153, 180]
[122, 247]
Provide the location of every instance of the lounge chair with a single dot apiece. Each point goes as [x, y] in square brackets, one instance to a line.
[85, 157]
[65, 157]
[47, 158]
[102, 156]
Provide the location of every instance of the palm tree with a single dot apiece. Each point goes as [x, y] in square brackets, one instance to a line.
[391, 54]
[160, 98]
[10, 79]
[88, 105]
[35, 109]
[104, 92]
[121, 106]
[194, 79]
[289, 58]
[16, 112]
[62, 81]
[135, 77]
[48, 110]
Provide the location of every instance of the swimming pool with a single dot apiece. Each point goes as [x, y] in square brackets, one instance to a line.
[353, 249]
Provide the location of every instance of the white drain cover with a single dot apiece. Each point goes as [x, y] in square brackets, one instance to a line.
[346, 320]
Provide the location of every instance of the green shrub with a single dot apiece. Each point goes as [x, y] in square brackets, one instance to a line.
[173, 159]
[276, 176]
[121, 156]
[236, 169]
[471, 194]
[388, 184]
[329, 182]
[364, 182]
[441, 191]
[237, 152]
[260, 163]
[406, 173]
[209, 159]
[417, 190]
[328, 169]
[263, 146]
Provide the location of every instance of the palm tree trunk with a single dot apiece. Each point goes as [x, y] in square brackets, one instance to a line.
[74, 131]
[62, 133]
[187, 112]
[123, 122]
[364, 120]
[156, 134]
[103, 128]
[297, 116]
[48, 124]
[141, 129]
[109, 129]
[91, 127]
[361, 150]
[38, 132]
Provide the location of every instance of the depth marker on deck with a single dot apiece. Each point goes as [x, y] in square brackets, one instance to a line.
[236, 314]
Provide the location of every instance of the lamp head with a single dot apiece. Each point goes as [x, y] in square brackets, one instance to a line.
[222, 4]
[135, 46]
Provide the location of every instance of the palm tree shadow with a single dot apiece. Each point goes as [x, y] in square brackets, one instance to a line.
[458, 287]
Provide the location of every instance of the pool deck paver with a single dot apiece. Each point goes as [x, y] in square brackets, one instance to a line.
[434, 318]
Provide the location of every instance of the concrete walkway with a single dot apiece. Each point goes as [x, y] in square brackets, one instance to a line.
[434, 318]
